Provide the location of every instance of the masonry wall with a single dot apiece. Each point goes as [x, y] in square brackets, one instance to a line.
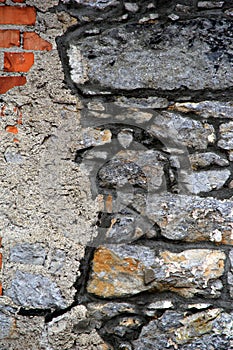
[116, 175]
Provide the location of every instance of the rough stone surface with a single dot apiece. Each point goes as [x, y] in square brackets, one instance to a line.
[205, 181]
[27, 253]
[190, 218]
[6, 325]
[206, 109]
[226, 136]
[124, 271]
[35, 291]
[175, 129]
[178, 331]
[136, 168]
[200, 160]
[140, 64]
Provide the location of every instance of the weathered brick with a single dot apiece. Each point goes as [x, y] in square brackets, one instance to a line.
[18, 61]
[7, 83]
[32, 41]
[0, 260]
[17, 15]
[9, 38]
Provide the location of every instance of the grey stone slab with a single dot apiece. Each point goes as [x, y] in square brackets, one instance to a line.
[205, 181]
[177, 55]
[27, 253]
[35, 291]
[119, 271]
[190, 218]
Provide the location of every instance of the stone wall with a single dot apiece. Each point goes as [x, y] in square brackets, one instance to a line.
[117, 175]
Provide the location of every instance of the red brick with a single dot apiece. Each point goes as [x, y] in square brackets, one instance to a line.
[18, 61]
[0, 288]
[2, 0]
[12, 129]
[18, 0]
[7, 83]
[9, 38]
[17, 15]
[32, 41]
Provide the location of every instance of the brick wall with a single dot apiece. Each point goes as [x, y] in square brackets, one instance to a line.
[18, 43]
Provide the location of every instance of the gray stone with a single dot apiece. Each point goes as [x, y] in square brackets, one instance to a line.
[176, 330]
[35, 291]
[200, 160]
[205, 181]
[100, 311]
[6, 325]
[190, 218]
[123, 326]
[176, 131]
[139, 65]
[231, 156]
[57, 261]
[206, 109]
[28, 253]
[151, 309]
[173, 17]
[183, 8]
[134, 168]
[152, 17]
[210, 4]
[229, 12]
[13, 157]
[126, 227]
[98, 114]
[94, 137]
[125, 137]
[119, 271]
[131, 7]
[226, 136]
[149, 102]
[231, 258]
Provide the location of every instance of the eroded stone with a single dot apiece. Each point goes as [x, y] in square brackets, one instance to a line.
[178, 331]
[206, 109]
[200, 160]
[27, 253]
[226, 136]
[103, 64]
[135, 168]
[120, 271]
[176, 131]
[191, 218]
[94, 137]
[205, 181]
[29, 290]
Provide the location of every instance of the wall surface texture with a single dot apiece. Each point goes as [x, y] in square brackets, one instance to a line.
[116, 164]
